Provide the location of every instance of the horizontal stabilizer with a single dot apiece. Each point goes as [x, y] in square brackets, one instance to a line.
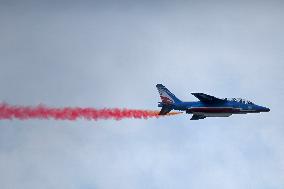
[165, 110]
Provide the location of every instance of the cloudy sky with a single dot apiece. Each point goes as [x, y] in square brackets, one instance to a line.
[112, 54]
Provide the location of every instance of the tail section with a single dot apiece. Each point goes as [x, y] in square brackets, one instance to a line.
[166, 96]
[168, 99]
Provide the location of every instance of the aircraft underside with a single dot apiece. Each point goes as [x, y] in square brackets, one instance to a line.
[213, 114]
[203, 112]
[202, 115]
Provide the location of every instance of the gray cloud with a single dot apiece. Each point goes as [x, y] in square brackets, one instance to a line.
[106, 54]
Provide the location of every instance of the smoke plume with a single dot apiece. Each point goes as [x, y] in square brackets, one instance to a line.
[73, 113]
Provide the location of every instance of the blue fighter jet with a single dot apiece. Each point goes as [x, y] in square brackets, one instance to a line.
[207, 106]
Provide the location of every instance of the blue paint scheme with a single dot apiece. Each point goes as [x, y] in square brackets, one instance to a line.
[207, 106]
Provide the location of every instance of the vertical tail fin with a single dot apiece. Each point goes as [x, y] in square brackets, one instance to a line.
[166, 96]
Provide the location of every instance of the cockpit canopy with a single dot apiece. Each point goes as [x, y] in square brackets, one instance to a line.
[241, 100]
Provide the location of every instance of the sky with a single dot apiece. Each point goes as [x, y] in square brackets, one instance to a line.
[112, 54]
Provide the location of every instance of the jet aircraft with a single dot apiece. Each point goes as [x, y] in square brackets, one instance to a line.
[207, 106]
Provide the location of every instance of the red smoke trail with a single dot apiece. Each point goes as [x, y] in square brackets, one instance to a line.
[42, 112]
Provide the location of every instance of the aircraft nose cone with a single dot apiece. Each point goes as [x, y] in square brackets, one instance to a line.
[265, 109]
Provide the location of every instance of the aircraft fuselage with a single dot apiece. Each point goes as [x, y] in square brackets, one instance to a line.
[208, 106]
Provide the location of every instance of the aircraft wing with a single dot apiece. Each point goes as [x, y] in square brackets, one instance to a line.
[207, 98]
[197, 117]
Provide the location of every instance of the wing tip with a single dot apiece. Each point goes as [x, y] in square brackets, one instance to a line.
[160, 85]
